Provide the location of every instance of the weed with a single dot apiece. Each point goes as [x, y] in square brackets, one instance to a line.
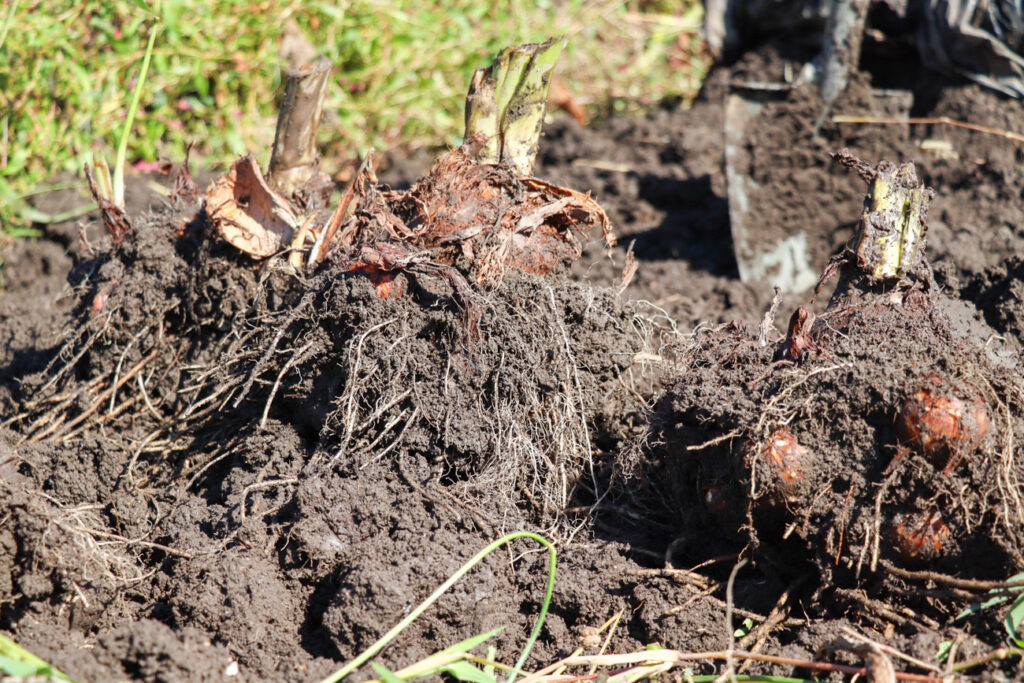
[456, 660]
[1013, 622]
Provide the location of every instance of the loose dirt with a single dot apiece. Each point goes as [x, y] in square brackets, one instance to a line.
[208, 463]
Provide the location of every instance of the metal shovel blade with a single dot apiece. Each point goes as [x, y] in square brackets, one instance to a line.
[762, 255]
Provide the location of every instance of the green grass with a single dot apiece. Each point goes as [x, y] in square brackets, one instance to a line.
[402, 68]
[18, 664]
[465, 646]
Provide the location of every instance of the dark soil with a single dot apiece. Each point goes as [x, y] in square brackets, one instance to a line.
[208, 463]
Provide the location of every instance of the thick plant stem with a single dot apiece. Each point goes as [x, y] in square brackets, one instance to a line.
[891, 237]
[295, 159]
[506, 103]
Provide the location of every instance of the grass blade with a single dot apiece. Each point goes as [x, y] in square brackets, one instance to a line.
[386, 674]
[369, 652]
[471, 643]
[14, 658]
[122, 147]
[7, 22]
[1013, 621]
[464, 671]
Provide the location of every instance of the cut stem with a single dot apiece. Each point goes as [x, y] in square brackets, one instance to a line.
[295, 159]
[891, 237]
[506, 104]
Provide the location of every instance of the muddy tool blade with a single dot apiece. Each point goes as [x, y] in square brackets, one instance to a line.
[765, 251]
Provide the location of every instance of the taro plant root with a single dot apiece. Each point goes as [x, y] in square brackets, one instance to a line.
[267, 305]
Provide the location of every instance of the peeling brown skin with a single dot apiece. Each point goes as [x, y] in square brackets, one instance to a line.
[919, 537]
[944, 421]
[798, 337]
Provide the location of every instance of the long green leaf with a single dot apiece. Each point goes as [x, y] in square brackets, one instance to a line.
[12, 654]
[1013, 621]
[998, 596]
[436, 662]
[386, 674]
[464, 671]
[976, 607]
[7, 22]
[18, 669]
[382, 642]
[122, 147]
[471, 643]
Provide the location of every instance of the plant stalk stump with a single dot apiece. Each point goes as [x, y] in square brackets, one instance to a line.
[891, 237]
[506, 104]
[295, 158]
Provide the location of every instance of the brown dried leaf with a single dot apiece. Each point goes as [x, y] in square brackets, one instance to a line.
[879, 666]
[583, 201]
[629, 268]
[247, 213]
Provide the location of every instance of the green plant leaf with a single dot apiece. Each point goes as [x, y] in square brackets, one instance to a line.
[747, 627]
[1014, 619]
[122, 146]
[945, 647]
[492, 652]
[470, 643]
[386, 674]
[15, 659]
[16, 668]
[976, 607]
[999, 596]
[436, 663]
[464, 671]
